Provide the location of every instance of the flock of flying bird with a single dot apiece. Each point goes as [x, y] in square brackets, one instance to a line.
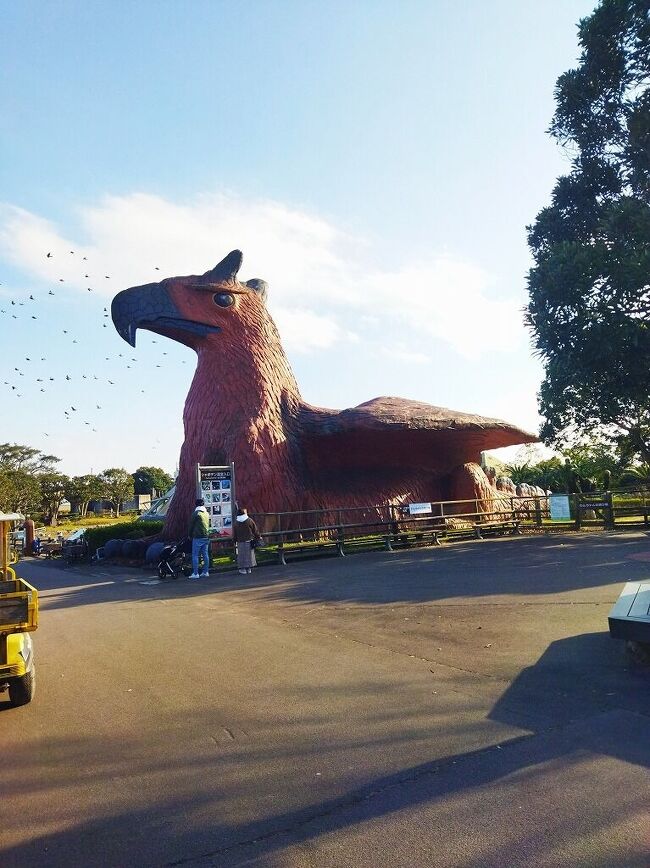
[10, 308]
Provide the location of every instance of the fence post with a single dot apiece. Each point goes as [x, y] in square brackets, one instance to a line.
[281, 559]
[393, 527]
[340, 539]
[538, 512]
[578, 516]
[609, 514]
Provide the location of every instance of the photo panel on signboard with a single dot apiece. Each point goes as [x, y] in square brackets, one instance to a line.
[216, 509]
[206, 486]
[216, 497]
[226, 509]
[227, 521]
[215, 522]
[207, 497]
[225, 497]
[225, 483]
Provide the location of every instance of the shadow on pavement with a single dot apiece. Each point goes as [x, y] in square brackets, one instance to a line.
[575, 678]
[586, 762]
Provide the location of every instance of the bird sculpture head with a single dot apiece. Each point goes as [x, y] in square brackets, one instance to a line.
[195, 310]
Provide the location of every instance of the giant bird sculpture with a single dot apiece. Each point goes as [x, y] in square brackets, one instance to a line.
[244, 405]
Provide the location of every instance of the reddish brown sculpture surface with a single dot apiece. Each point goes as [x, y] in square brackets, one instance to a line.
[244, 406]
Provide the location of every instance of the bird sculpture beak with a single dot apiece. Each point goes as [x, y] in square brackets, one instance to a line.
[150, 307]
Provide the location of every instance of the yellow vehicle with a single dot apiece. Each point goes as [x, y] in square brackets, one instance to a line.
[18, 618]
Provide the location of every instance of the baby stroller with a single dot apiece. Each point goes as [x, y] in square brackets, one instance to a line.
[173, 559]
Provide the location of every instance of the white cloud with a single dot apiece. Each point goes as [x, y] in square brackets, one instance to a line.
[320, 290]
[406, 355]
[303, 330]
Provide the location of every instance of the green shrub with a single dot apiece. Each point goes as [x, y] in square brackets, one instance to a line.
[140, 529]
[98, 536]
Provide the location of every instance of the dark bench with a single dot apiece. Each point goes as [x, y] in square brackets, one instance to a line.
[306, 549]
[630, 616]
[461, 531]
[407, 538]
[314, 548]
[489, 527]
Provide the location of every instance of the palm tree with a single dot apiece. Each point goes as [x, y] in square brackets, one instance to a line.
[637, 475]
[521, 473]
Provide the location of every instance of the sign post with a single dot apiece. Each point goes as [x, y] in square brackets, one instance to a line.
[216, 485]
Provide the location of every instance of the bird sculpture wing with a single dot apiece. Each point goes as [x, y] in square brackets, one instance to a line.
[394, 432]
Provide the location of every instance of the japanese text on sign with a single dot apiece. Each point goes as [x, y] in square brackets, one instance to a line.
[216, 487]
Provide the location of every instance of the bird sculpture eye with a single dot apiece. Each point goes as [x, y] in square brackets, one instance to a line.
[223, 299]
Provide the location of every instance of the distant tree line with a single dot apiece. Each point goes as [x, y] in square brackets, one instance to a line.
[30, 483]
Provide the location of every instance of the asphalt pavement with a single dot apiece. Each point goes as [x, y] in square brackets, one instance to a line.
[455, 706]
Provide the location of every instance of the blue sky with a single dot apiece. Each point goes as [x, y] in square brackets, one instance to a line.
[377, 163]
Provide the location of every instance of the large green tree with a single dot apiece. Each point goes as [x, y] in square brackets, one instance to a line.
[20, 466]
[116, 485]
[53, 487]
[152, 480]
[19, 491]
[80, 490]
[16, 457]
[589, 308]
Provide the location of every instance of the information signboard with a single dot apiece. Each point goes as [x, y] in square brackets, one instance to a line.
[216, 485]
[419, 508]
[559, 507]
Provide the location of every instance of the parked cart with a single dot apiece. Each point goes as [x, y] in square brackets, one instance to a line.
[18, 618]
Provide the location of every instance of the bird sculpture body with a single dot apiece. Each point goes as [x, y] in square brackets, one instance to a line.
[244, 406]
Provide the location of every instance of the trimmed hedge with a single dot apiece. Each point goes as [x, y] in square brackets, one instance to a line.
[126, 530]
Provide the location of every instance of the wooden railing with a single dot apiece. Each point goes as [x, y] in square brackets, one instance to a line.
[389, 525]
